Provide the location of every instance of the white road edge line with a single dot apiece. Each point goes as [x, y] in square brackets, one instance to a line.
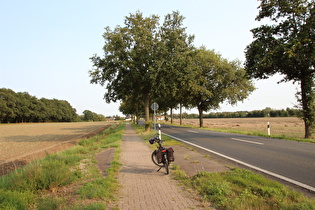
[310, 188]
[252, 142]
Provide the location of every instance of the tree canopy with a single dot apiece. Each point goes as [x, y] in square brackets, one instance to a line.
[136, 62]
[216, 80]
[287, 47]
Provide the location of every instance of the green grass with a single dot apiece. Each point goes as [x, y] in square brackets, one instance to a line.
[29, 187]
[15, 200]
[243, 189]
[103, 188]
[53, 171]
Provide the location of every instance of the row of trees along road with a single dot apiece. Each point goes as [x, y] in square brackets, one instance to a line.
[22, 107]
[146, 62]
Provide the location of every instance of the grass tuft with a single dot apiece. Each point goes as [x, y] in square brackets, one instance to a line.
[40, 175]
[16, 200]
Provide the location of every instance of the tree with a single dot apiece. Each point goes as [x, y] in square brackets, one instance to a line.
[216, 80]
[287, 47]
[132, 106]
[136, 62]
[101, 117]
[176, 51]
[7, 105]
[129, 66]
[88, 115]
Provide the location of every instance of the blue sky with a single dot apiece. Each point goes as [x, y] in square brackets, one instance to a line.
[45, 46]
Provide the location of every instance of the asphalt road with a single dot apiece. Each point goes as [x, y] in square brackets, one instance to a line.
[288, 160]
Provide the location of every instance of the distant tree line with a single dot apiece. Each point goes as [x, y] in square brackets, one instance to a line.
[22, 107]
[267, 112]
[19, 107]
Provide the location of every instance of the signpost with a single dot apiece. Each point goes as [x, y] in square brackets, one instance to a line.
[154, 107]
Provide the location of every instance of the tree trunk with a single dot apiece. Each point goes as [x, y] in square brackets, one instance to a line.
[147, 113]
[137, 116]
[165, 116]
[180, 114]
[307, 97]
[171, 115]
[200, 117]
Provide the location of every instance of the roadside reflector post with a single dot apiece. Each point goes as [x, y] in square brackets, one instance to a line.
[159, 126]
[268, 128]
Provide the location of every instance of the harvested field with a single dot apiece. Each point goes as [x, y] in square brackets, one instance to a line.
[279, 126]
[20, 143]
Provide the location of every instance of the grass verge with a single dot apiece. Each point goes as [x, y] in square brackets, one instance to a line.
[66, 180]
[243, 189]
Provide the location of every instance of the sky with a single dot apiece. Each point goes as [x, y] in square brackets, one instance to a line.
[45, 46]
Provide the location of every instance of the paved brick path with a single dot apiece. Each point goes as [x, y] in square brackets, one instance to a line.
[142, 186]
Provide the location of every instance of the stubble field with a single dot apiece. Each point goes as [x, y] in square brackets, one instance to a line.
[279, 126]
[20, 143]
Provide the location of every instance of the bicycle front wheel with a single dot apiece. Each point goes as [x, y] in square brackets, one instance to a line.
[166, 163]
[155, 160]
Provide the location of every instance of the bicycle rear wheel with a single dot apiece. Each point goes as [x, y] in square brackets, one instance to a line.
[155, 160]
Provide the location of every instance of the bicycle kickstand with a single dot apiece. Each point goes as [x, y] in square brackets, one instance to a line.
[159, 169]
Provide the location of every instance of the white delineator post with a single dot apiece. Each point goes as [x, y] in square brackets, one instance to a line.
[268, 129]
[159, 126]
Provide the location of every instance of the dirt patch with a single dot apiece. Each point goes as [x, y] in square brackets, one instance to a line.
[104, 159]
[192, 162]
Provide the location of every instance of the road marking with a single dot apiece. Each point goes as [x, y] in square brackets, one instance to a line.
[191, 131]
[252, 142]
[305, 186]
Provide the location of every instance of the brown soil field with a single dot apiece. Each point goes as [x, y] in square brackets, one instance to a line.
[279, 126]
[20, 143]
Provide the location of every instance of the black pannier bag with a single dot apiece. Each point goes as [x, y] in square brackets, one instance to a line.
[170, 154]
[158, 154]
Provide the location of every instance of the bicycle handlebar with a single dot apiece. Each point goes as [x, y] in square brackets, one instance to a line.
[156, 140]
